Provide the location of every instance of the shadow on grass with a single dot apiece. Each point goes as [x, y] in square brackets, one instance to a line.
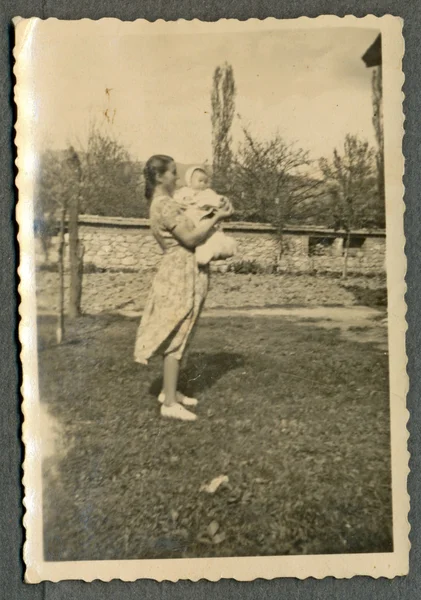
[202, 370]
[78, 330]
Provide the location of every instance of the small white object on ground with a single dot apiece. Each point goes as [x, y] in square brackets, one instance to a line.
[214, 484]
[213, 528]
[219, 538]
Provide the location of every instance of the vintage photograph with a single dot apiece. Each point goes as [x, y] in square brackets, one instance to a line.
[211, 249]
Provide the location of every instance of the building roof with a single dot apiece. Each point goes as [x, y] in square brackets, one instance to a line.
[373, 56]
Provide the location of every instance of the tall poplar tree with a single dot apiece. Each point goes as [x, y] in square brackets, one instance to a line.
[223, 108]
[377, 94]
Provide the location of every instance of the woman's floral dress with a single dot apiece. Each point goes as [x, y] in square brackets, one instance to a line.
[178, 290]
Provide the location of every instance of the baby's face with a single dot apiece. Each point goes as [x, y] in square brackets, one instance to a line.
[199, 180]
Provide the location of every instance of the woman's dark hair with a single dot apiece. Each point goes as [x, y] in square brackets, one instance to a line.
[156, 165]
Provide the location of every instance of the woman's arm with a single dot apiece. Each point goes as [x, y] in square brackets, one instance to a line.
[190, 238]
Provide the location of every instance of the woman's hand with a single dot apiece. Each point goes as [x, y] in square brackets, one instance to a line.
[225, 211]
[192, 237]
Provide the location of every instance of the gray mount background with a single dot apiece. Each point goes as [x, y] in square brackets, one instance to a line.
[11, 510]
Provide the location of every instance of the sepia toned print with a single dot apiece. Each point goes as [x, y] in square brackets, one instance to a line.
[212, 298]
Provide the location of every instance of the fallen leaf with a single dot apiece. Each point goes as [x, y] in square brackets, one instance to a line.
[213, 528]
[214, 484]
[174, 515]
[219, 538]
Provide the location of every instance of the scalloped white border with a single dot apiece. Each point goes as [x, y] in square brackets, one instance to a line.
[213, 569]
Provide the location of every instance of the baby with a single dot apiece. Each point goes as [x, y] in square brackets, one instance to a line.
[199, 202]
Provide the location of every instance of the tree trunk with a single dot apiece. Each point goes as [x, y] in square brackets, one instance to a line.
[45, 241]
[279, 232]
[346, 252]
[81, 251]
[280, 250]
[380, 176]
[76, 259]
[60, 319]
[262, 204]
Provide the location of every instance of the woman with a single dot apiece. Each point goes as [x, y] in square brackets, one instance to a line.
[180, 286]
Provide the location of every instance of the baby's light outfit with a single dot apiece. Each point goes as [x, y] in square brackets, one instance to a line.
[199, 205]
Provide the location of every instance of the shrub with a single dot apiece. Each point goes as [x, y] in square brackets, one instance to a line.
[251, 267]
[369, 297]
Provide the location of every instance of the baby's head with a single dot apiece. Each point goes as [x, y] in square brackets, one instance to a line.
[197, 179]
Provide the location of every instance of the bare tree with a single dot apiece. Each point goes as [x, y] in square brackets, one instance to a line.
[272, 181]
[57, 197]
[112, 182]
[351, 181]
[223, 108]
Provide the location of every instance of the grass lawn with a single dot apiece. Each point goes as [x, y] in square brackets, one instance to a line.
[295, 416]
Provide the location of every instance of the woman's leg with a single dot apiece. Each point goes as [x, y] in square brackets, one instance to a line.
[171, 371]
[171, 408]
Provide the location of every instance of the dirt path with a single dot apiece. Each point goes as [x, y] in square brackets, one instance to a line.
[345, 314]
[356, 323]
[352, 315]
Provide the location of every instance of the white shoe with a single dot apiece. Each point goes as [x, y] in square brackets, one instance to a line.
[181, 399]
[176, 411]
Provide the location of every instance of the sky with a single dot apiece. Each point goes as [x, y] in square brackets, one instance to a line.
[309, 85]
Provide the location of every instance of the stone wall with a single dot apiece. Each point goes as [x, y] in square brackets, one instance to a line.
[114, 247]
[120, 244]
